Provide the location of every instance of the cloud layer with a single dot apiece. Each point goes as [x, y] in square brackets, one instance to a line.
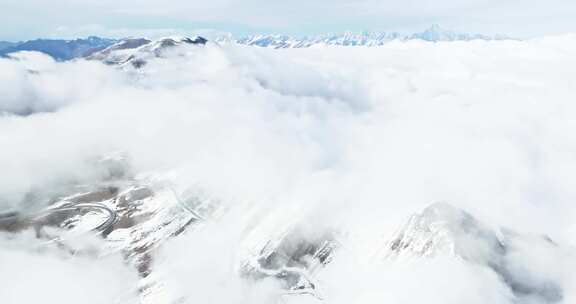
[354, 138]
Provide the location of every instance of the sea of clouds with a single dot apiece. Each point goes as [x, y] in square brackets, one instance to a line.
[357, 137]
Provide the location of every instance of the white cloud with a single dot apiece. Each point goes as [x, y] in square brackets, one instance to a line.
[357, 137]
[32, 275]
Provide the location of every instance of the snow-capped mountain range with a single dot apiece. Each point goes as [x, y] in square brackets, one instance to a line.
[433, 34]
[136, 51]
[70, 49]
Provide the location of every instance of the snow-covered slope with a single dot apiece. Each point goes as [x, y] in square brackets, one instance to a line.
[136, 52]
[119, 51]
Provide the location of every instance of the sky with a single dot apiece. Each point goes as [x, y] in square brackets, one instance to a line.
[27, 19]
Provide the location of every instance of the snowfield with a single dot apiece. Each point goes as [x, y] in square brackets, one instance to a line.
[412, 172]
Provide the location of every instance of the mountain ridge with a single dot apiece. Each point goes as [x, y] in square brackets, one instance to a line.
[60, 49]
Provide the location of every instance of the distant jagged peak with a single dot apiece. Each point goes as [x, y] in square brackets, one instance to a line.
[434, 33]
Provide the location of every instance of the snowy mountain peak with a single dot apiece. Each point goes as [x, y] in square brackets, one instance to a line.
[442, 230]
[436, 33]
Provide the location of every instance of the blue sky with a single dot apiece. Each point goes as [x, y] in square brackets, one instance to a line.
[25, 19]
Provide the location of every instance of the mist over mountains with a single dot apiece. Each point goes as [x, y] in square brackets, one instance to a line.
[182, 170]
